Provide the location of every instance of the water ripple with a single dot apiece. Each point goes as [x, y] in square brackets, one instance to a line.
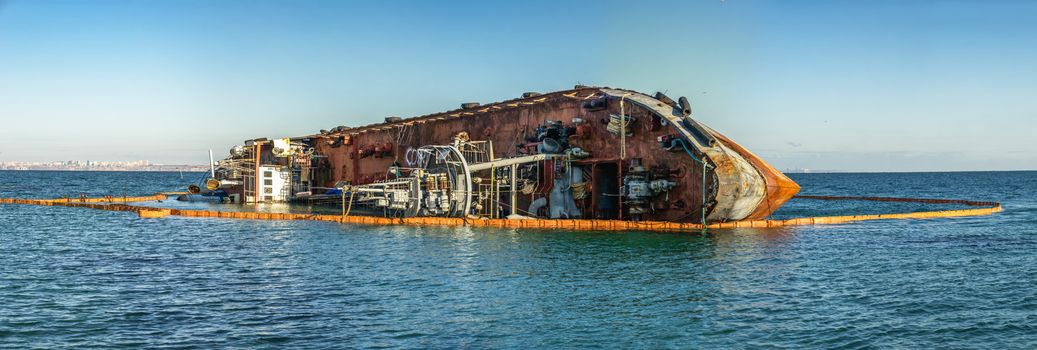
[77, 278]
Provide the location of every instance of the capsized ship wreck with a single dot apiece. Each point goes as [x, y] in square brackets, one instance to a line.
[585, 153]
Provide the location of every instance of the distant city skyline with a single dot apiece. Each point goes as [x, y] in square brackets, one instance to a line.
[847, 86]
[90, 165]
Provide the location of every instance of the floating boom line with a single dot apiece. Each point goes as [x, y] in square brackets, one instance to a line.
[113, 203]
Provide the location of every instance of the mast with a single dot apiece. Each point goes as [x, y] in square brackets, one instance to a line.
[212, 165]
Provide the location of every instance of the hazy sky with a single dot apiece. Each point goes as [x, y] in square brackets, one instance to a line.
[840, 85]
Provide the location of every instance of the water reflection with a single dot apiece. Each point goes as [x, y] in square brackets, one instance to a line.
[751, 243]
[258, 207]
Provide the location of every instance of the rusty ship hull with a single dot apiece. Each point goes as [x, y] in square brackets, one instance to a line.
[588, 153]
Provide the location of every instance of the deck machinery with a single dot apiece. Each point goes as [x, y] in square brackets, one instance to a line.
[589, 152]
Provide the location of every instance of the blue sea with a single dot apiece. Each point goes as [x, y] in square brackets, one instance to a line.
[81, 278]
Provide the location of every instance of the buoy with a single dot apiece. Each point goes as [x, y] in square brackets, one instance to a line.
[212, 184]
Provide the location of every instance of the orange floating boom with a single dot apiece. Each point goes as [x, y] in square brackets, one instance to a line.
[117, 204]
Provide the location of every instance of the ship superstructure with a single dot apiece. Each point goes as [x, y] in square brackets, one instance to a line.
[585, 153]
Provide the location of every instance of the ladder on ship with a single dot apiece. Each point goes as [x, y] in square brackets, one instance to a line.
[248, 176]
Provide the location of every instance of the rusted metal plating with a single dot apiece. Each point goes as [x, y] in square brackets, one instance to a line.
[736, 185]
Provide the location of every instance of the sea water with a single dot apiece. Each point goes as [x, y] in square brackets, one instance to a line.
[81, 278]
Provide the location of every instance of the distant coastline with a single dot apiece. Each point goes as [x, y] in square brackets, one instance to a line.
[100, 166]
[906, 171]
[195, 169]
[205, 168]
[118, 168]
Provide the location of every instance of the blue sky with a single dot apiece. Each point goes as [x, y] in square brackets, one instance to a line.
[837, 85]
